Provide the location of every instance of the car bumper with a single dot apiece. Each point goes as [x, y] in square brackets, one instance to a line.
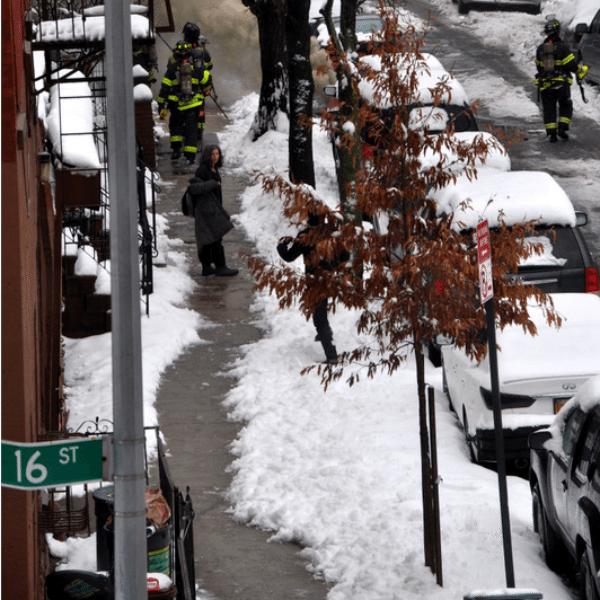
[516, 443]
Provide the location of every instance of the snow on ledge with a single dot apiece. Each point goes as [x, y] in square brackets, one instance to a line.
[91, 29]
[70, 121]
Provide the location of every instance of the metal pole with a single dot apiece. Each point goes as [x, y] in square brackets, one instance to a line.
[499, 439]
[130, 552]
[437, 529]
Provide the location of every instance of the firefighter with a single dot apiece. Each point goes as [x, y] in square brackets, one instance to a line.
[555, 63]
[191, 35]
[145, 55]
[182, 93]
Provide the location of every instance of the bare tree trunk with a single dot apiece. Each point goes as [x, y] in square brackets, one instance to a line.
[270, 16]
[301, 87]
[349, 150]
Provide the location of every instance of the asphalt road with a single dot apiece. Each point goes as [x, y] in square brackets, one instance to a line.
[467, 56]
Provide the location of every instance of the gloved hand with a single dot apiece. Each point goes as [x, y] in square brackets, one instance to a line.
[582, 71]
[163, 114]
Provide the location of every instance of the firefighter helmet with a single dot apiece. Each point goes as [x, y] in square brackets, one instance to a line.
[182, 49]
[191, 32]
[552, 26]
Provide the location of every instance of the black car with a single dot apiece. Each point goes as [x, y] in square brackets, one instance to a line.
[589, 46]
[565, 487]
[533, 7]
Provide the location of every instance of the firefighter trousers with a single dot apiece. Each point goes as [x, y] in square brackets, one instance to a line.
[557, 99]
[183, 126]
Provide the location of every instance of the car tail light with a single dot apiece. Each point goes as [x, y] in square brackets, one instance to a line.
[367, 151]
[591, 280]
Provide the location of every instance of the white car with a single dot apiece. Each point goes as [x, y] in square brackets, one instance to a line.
[537, 375]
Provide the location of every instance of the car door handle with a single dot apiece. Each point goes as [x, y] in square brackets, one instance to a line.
[564, 485]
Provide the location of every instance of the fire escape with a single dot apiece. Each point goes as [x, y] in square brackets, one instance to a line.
[68, 42]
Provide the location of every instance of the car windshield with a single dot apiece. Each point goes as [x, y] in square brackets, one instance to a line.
[367, 25]
[560, 249]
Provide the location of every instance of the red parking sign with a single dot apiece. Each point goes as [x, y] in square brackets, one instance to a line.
[484, 260]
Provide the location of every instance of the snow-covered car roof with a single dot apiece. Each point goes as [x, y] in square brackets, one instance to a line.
[514, 197]
[497, 157]
[428, 78]
[572, 349]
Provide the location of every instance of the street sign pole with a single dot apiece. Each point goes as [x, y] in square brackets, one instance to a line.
[130, 542]
[486, 289]
[499, 441]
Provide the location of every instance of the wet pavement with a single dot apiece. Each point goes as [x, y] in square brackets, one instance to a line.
[232, 561]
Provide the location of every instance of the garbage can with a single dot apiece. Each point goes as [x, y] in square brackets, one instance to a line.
[159, 540]
[159, 551]
[104, 507]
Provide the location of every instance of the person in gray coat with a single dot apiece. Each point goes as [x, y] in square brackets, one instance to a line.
[211, 220]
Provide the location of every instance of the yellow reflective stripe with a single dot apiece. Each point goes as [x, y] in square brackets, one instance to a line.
[169, 82]
[190, 148]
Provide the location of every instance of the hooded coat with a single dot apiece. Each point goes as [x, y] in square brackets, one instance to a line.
[211, 220]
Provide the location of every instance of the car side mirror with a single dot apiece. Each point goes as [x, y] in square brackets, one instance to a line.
[538, 438]
[581, 219]
[580, 30]
[330, 90]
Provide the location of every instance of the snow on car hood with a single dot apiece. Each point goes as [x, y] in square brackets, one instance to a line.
[515, 197]
[570, 350]
[586, 398]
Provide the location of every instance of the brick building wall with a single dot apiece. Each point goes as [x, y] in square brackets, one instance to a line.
[31, 306]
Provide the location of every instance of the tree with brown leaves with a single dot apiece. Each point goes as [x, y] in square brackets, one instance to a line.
[417, 278]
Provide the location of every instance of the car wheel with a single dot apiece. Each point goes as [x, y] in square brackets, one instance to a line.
[463, 8]
[587, 588]
[470, 444]
[554, 549]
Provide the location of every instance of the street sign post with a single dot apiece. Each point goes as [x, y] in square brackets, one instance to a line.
[50, 464]
[486, 292]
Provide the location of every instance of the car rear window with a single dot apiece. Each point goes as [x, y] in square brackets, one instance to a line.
[560, 249]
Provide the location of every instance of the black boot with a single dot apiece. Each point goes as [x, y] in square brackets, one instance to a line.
[553, 138]
[205, 257]
[175, 151]
[562, 134]
[222, 269]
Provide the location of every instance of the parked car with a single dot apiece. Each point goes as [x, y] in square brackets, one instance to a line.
[537, 375]
[589, 46]
[564, 478]
[567, 264]
[533, 7]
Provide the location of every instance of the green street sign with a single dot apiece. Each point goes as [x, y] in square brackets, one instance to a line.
[50, 464]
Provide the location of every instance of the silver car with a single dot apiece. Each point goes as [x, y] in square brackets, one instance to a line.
[588, 38]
